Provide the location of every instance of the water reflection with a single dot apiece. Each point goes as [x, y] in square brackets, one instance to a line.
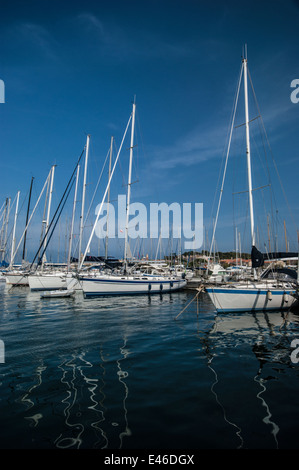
[86, 405]
[267, 336]
[78, 370]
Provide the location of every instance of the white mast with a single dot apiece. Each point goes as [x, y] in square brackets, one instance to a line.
[83, 199]
[14, 232]
[73, 218]
[46, 182]
[129, 185]
[48, 212]
[108, 199]
[226, 161]
[4, 227]
[248, 150]
[105, 194]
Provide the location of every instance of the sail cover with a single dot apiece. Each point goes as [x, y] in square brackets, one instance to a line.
[257, 258]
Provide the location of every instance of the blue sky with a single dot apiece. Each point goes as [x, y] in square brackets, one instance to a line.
[73, 68]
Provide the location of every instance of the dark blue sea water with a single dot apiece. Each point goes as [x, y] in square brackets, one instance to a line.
[125, 373]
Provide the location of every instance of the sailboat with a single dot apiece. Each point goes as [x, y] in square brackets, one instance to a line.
[46, 278]
[125, 283]
[254, 294]
[40, 279]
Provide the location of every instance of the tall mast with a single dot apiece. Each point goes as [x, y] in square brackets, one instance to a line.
[73, 218]
[4, 227]
[108, 199]
[14, 231]
[248, 150]
[285, 235]
[48, 212]
[129, 184]
[104, 197]
[27, 215]
[83, 200]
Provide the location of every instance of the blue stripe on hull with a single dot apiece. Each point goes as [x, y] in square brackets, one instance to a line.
[249, 291]
[125, 281]
[35, 289]
[110, 294]
[223, 310]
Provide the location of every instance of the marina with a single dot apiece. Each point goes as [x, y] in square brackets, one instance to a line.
[149, 241]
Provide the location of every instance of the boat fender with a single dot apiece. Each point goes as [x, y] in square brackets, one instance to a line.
[149, 287]
[285, 297]
[171, 284]
[161, 286]
[269, 295]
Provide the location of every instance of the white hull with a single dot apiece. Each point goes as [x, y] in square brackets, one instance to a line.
[129, 285]
[251, 297]
[47, 281]
[57, 294]
[16, 279]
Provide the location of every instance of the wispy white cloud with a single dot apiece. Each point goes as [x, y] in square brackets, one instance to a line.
[198, 146]
[112, 38]
[31, 43]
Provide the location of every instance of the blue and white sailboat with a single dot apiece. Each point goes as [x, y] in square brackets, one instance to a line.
[254, 294]
[97, 284]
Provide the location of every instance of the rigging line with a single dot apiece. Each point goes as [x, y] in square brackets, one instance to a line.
[273, 202]
[58, 218]
[141, 142]
[104, 197]
[263, 134]
[57, 209]
[32, 213]
[251, 120]
[274, 163]
[94, 194]
[223, 158]
[11, 228]
[97, 185]
[254, 189]
[226, 160]
[267, 172]
[2, 207]
[223, 155]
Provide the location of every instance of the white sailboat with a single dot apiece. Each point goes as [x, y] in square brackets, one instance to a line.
[101, 284]
[42, 280]
[49, 279]
[255, 294]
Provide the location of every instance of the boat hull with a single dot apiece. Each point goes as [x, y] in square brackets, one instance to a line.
[254, 298]
[57, 294]
[106, 286]
[16, 279]
[47, 282]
